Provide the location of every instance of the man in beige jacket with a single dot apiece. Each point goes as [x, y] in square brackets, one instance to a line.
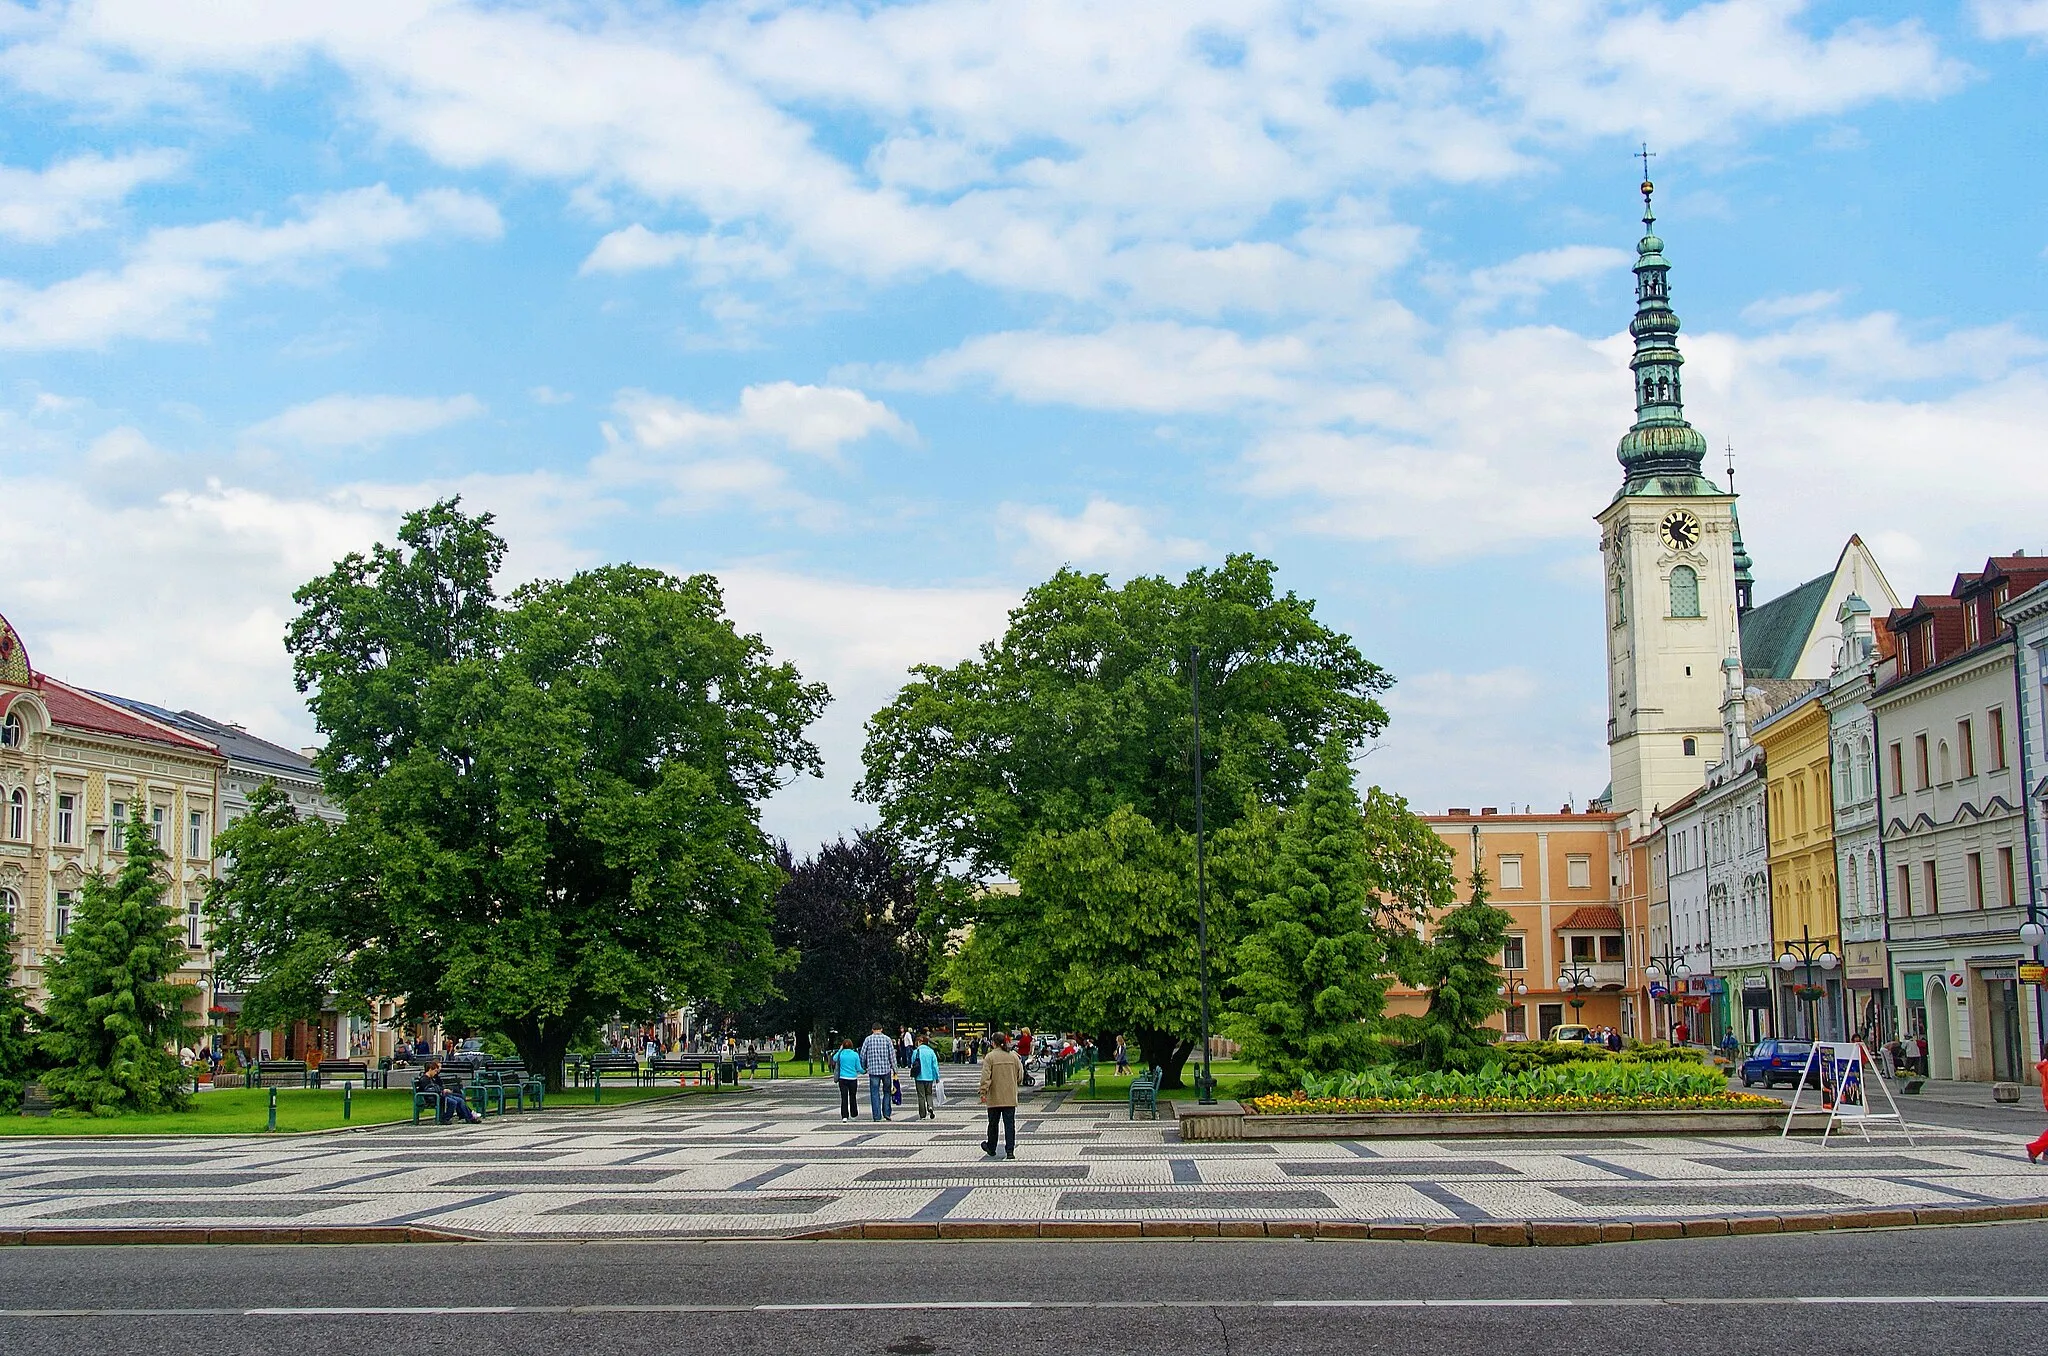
[1001, 1074]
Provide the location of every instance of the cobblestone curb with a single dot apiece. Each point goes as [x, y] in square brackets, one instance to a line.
[1492, 1233]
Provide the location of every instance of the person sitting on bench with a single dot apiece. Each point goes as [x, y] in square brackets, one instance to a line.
[450, 1090]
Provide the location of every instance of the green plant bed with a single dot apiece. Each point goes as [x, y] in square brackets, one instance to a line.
[1294, 1104]
[1588, 1085]
[241, 1111]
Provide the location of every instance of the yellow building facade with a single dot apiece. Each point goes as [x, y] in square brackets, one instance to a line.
[75, 768]
[1799, 819]
[1556, 876]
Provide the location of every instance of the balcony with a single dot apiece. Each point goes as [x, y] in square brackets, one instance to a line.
[1604, 974]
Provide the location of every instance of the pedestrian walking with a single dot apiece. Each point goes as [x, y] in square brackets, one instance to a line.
[847, 1068]
[924, 1071]
[1002, 1073]
[1123, 1057]
[2040, 1146]
[878, 1053]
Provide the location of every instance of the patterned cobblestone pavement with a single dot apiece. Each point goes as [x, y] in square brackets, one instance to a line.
[775, 1160]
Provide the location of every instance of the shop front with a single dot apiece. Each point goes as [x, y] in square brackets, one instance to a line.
[1864, 969]
[1756, 1020]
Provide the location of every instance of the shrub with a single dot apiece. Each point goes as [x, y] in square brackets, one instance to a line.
[1597, 1080]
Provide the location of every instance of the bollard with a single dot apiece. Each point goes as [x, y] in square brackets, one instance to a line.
[273, 1110]
[345, 1089]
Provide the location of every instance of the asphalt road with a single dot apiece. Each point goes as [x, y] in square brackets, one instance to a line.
[1977, 1289]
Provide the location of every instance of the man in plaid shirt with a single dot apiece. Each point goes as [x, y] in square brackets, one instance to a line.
[878, 1052]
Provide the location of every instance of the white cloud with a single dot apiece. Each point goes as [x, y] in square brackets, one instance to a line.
[2012, 18]
[1492, 737]
[1103, 534]
[1531, 275]
[176, 275]
[1157, 367]
[548, 395]
[72, 195]
[364, 421]
[1769, 309]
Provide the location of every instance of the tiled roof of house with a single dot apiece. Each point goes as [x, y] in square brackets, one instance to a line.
[82, 710]
[1774, 634]
[238, 744]
[1592, 918]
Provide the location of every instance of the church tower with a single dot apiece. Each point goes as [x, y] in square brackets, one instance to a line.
[1668, 544]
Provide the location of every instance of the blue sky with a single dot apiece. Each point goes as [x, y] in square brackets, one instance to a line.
[882, 312]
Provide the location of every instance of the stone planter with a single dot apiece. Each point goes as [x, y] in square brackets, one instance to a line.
[34, 1101]
[1230, 1121]
[228, 1080]
[2005, 1092]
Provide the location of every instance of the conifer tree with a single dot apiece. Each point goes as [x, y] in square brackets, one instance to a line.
[1464, 980]
[1310, 973]
[15, 1046]
[116, 1016]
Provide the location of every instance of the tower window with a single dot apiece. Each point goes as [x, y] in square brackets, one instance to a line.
[1692, 747]
[1685, 592]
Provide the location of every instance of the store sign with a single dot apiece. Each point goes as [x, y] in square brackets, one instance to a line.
[1863, 965]
[2033, 972]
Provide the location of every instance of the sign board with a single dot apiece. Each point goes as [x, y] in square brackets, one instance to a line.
[1841, 1079]
[1863, 964]
[1657, 990]
[970, 1030]
[1955, 981]
[2033, 972]
[1714, 984]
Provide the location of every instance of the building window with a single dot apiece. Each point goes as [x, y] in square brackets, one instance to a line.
[1898, 770]
[67, 816]
[195, 834]
[1995, 728]
[1920, 761]
[193, 925]
[10, 905]
[1685, 592]
[1578, 873]
[63, 913]
[1966, 750]
[2007, 886]
[1973, 879]
[157, 817]
[1620, 601]
[17, 815]
[1518, 1019]
[1582, 949]
[11, 732]
[1930, 887]
[1510, 873]
[117, 826]
[1610, 950]
[1514, 953]
[1692, 747]
[1902, 907]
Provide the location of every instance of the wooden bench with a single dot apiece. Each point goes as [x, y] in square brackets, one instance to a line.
[336, 1073]
[1145, 1092]
[280, 1073]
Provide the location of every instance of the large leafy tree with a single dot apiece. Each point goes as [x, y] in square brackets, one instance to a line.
[551, 800]
[16, 1046]
[115, 1014]
[1462, 968]
[857, 916]
[281, 917]
[1083, 707]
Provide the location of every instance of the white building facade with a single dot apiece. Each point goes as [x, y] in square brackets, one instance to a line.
[1859, 876]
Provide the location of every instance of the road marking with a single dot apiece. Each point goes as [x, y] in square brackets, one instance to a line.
[941, 1306]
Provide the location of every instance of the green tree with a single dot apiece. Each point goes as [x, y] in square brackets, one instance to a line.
[552, 801]
[1464, 979]
[280, 918]
[17, 1047]
[1311, 972]
[115, 1017]
[1082, 707]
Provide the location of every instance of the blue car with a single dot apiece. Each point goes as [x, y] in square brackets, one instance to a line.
[1776, 1061]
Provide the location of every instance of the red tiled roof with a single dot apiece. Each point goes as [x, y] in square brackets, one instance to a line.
[83, 711]
[1592, 918]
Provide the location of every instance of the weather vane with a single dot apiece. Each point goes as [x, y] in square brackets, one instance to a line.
[1646, 155]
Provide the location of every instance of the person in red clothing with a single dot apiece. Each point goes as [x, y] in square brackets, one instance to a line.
[2040, 1145]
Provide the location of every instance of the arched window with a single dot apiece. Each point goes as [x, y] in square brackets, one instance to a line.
[1692, 747]
[11, 732]
[17, 815]
[1620, 600]
[1685, 592]
[10, 905]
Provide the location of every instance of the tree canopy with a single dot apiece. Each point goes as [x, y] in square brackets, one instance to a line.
[1082, 708]
[17, 1048]
[1464, 981]
[551, 801]
[115, 1013]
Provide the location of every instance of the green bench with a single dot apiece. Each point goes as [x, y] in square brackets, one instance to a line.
[1145, 1092]
[280, 1073]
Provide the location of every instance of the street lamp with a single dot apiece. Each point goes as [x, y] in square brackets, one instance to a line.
[1672, 964]
[1808, 953]
[1575, 979]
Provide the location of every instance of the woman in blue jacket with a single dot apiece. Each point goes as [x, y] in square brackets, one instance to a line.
[848, 1067]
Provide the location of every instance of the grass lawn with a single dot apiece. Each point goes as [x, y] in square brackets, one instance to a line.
[242, 1111]
[1233, 1079]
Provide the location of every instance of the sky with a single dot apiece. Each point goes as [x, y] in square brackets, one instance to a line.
[883, 312]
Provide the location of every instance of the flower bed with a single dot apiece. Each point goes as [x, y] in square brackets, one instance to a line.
[1300, 1104]
[1583, 1086]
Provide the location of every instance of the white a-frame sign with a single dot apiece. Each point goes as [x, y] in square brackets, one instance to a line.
[1839, 1068]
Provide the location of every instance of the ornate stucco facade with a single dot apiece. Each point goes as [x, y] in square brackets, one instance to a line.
[74, 768]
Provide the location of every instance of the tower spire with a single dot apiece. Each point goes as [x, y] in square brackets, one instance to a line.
[1662, 453]
[1745, 583]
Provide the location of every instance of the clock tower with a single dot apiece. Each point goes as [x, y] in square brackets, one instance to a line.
[1667, 547]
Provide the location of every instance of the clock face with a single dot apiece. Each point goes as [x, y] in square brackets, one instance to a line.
[1680, 530]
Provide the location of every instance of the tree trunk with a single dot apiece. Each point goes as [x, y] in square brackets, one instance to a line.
[541, 1048]
[803, 1041]
[1168, 1052]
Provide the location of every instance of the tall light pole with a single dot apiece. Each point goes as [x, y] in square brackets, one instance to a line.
[1205, 1086]
[1575, 979]
[1670, 965]
[1809, 953]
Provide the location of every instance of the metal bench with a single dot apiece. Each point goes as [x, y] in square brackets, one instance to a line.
[705, 1067]
[1145, 1093]
[280, 1073]
[472, 1089]
[600, 1065]
[511, 1076]
[337, 1073]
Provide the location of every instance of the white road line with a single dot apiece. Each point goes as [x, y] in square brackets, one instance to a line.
[939, 1306]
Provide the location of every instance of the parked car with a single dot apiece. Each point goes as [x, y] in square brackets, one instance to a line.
[1571, 1031]
[1775, 1061]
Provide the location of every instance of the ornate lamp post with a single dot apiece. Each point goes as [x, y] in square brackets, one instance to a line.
[1514, 990]
[1670, 964]
[1575, 979]
[1808, 953]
